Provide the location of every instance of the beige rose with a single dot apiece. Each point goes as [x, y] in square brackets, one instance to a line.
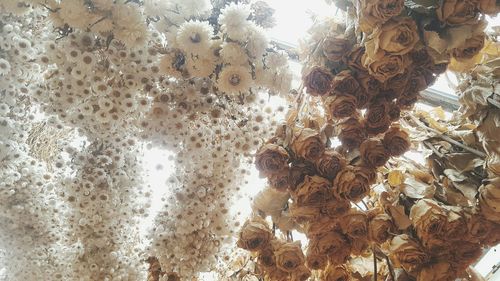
[302, 214]
[489, 201]
[318, 81]
[470, 48]
[335, 47]
[288, 256]
[271, 159]
[373, 12]
[397, 36]
[407, 253]
[354, 224]
[335, 273]
[340, 106]
[335, 208]
[373, 153]
[314, 190]
[381, 228]
[302, 273]
[330, 164]
[377, 118]
[254, 235]
[396, 141]
[351, 184]
[352, 133]
[429, 220]
[455, 12]
[384, 66]
[441, 271]
[308, 144]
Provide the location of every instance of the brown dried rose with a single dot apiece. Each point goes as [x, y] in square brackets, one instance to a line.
[478, 228]
[354, 224]
[340, 106]
[396, 141]
[353, 58]
[351, 184]
[288, 256]
[373, 153]
[314, 190]
[359, 246]
[384, 66]
[315, 259]
[394, 112]
[335, 47]
[318, 81]
[421, 58]
[340, 254]
[408, 99]
[308, 144]
[373, 12]
[464, 254]
[275, 273]
[489, 7]
[271, 159]
[441, 271]
[254, 235]
[302, 214]
[489, 201]
[398, 83]
[456, 224]
[429, 220]
[381, 228]
[297, 173]
[352, 133]
[302, 273]
[470, 48]
[330, 164]
[377, 118]
[371, 86]
[419, 80]
[266, 257]
[321, 225]
[344, 84]
[332, 244]
[456, 12]
[407, 253]
[280, 181]
[336, 208]
[335, 273]
[397, 36]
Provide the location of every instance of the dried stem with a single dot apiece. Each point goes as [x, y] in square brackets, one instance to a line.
[391, 269]
[374, 265]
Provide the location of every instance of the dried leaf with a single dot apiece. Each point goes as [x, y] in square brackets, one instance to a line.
[454, 175]
[417, 189]
[464, 161]
[400, 218]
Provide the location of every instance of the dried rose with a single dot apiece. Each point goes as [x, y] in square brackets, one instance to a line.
[470, 48]
[351, 184]
[369, 84]
[344, 84]
[394, 112]
[421, 58]
[478, 228]
[271, 159]
[489, 201]
[441, 271]
[302, 214]
[302, 273]
[254, 235]
[456, 224]
[377, 118]
[384, 66]
[266, 258]
[373, 153]
[321, 225]
[359, 246]
[340, 254]
[381, 228]
[314, 190]
[396, 141]
[354, 224]
[308, 144]
[489, 7]
[397, 36]
[408, 99]
[407, 253]
[335, 47]
[335, 273]
[429, 220]
[288, 256]
[398, 83]
[315, 259]
[464, 254]
[353, 58]
[336, 208]
[340, 106]
[373, 12]
[280, 181]
[318, 81]
[419, 80]
[274, 273]
[455, 12]
[330, 164]
[297, 173]
[351, 133]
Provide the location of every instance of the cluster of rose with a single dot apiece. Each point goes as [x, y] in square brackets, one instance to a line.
[363, 85]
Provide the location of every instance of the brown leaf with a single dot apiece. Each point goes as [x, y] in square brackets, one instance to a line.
[417, 189]
[398, 215]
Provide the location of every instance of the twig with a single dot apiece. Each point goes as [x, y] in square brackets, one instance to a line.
[391, 269]
[429, 145]
[374, 265]
[364, 204]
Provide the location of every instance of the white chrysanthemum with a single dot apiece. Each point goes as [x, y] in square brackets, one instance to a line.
[75, 14]
[201, 66]
[102, 26]
[4, 67]
[155, 8]
[133, 35]
[15, 7]
[233, 20]
[257, 41]
[104, 5]
[233, 54]
[125, 15]
[234, 79]
[194, 37]
[195, 8]
[276, 60]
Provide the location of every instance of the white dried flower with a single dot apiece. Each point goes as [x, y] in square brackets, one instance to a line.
[233, 20]
[234, 79]
[234, 54]
[194, 37]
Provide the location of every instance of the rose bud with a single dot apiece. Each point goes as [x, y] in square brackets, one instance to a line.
[254, 235]
[373, 153]
[271, 159]
[330, 164]
[308, 144]
[318, 81]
